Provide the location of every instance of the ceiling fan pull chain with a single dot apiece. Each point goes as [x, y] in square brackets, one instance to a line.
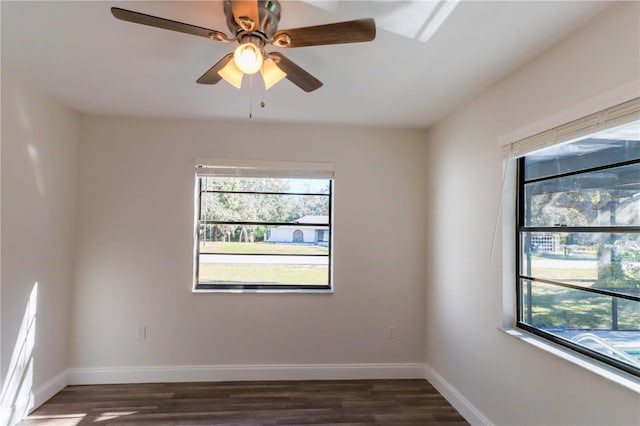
[251, 96]
[264, 88]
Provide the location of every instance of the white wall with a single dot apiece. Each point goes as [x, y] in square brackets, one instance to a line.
[39, 151]
[136, 239]
[507, 380]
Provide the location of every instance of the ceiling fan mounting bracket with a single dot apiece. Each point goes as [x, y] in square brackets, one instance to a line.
[282, 40]
[274, 58]
[247, 23]
[218, 36]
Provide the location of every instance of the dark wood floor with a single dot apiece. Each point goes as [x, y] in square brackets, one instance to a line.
[353, 402]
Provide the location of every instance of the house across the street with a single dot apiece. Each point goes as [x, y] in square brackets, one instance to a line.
[316, 233]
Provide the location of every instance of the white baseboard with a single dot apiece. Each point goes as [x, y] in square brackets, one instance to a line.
[47, 390]
[456, 399]
[251, 372]
[31, 400]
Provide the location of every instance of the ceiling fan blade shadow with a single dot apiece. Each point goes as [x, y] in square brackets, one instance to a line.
[246, 14]
[295, 74]
[167, 24]
[212, 76]
[357, 31]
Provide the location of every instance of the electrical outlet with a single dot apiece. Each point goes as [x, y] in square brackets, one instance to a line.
[391, 332]
[142, 333]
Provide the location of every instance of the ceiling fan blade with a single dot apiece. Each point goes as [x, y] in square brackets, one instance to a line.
[341, 32]
[245, 13]
[212, 76]
[167, 24]
[295, 74]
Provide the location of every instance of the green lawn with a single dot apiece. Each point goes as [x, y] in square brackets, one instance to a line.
[209, 247]
[562, 269]
[557, 306]
[211, 273]
[565, 274]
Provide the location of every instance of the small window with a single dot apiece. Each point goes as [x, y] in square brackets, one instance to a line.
[261, 229]
[578, 245]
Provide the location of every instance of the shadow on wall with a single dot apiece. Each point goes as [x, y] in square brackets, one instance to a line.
[34, 156]
[16, 398]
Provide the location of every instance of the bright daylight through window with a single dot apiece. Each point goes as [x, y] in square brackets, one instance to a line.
[263, 229]
[578, 237]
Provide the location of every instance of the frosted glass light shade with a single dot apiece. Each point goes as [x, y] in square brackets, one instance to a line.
[271, 73]
[232, 74]
[248, 58]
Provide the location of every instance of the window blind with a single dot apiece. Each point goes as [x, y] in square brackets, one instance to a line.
[607, 118]
[264, 169]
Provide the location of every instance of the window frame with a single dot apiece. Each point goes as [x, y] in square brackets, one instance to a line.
[272, 170]
[520, 228]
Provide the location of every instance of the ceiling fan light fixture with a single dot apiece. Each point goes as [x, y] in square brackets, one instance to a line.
[254, 24]
[271, 74]
[232, 74]
[248, 58]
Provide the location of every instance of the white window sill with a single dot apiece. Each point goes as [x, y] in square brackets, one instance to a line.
[265, 291]
[621, 378]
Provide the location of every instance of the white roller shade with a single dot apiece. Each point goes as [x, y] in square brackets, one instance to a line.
[607, 118]
[264, 169]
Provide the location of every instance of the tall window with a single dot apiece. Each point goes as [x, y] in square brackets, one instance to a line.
[578, 240]
[263, 228]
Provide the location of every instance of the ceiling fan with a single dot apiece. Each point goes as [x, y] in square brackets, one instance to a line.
[254, 25]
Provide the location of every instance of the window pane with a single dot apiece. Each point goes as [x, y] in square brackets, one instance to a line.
[264, 207]
[599, 260]
[603, 198]
[289, 239]
[554, 307]
[258, 247]
[263, 270]
[237, 255]
[313, 186]
[604, 324]
[607, 147]
[629, 316]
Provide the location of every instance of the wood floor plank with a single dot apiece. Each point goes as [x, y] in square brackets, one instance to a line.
[269, 403]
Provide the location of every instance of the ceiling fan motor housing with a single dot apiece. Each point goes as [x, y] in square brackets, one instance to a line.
[269, 13]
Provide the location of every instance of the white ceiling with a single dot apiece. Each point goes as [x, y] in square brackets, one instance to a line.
[78, 53]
